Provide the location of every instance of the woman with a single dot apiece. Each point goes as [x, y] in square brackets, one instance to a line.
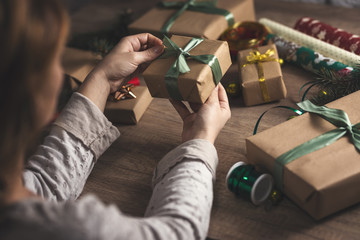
[37, 196]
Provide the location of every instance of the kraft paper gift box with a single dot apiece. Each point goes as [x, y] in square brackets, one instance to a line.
[255, 91]
[196, 85]
[129, 111]
[79, 63]
[194, 23]
[324, 181]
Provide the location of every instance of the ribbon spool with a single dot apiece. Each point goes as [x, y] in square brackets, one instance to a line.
[244, 35]
[243, 180]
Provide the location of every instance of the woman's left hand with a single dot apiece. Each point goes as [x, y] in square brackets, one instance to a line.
[129, 57]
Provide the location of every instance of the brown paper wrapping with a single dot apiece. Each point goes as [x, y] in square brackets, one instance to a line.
[322, 182]
[194, 24]
[196, 85]
[249, 78]
[129, 111]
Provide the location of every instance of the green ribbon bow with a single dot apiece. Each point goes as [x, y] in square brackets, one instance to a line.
[180, 65]
[197, 6]
[335, 116]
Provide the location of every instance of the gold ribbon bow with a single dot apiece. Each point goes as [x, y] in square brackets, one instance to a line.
[255, 57]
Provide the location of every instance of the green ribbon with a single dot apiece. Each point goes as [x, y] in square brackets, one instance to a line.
[335, 116]
[197, 6]
[298, 112]
[180, 65]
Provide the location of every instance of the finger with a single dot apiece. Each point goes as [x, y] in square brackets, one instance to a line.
[222, 94]
[223, 99]
[180, 107]
[154, 41]
[144, 41]
[213, 98]
[149, 54]
[139, 42]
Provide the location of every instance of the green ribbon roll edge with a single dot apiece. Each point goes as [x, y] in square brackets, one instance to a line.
[335, 116]
[180, 65]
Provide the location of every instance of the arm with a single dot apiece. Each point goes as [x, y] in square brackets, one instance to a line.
[182, 197]
[128, 58]
[179, 207]
[183, 182]
[183, 191]
[181, 202]
[61, 165]
[59, 169]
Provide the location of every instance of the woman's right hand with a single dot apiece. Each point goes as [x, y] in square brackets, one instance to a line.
[206, 120]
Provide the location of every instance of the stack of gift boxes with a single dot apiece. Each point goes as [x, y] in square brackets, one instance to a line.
[203, 32]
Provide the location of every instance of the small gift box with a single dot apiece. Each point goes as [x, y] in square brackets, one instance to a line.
[129, 111]
[314, 157]
[204, 19]
[260, 75]
[189, 69]
[78, 64]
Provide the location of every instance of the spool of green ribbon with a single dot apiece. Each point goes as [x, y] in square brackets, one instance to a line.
[243, 180]
[180, 65]
[193, 5]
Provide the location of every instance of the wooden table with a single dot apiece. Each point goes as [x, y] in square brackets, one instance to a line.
[123, 174]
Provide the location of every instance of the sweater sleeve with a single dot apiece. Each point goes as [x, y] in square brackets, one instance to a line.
[182, 198]
[61, 165]
[180, 205]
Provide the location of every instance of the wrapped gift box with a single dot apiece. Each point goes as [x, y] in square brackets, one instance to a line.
[324, 181]
[193, 23]
[129, 111]
[254, 91]
[78, 64]
[196, 85]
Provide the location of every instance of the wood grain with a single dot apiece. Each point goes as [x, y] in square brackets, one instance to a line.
[123, 174]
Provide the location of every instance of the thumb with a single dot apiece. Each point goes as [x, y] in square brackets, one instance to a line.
[150, 54]
[213, 98]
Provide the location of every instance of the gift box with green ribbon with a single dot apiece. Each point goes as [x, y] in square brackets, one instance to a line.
[315, 157]
[194, 18]
[189, 69]
[260, 75]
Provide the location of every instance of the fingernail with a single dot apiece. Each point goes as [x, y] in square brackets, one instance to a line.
[158, 49]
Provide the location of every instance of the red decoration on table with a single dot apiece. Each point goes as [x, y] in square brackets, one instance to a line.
[329, 34]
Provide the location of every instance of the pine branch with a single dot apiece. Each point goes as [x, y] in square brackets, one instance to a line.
[333, 85]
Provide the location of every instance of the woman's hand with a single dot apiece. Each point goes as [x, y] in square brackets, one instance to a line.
[129, 57]
[208, 119]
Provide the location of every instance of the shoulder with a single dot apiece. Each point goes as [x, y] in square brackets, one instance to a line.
[36, 219]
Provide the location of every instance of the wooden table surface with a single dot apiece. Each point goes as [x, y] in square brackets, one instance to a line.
[123, 173]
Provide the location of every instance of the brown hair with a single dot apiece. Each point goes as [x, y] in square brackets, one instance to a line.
[32, 32]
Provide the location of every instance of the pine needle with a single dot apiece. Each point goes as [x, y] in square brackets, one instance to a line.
[333, 85]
